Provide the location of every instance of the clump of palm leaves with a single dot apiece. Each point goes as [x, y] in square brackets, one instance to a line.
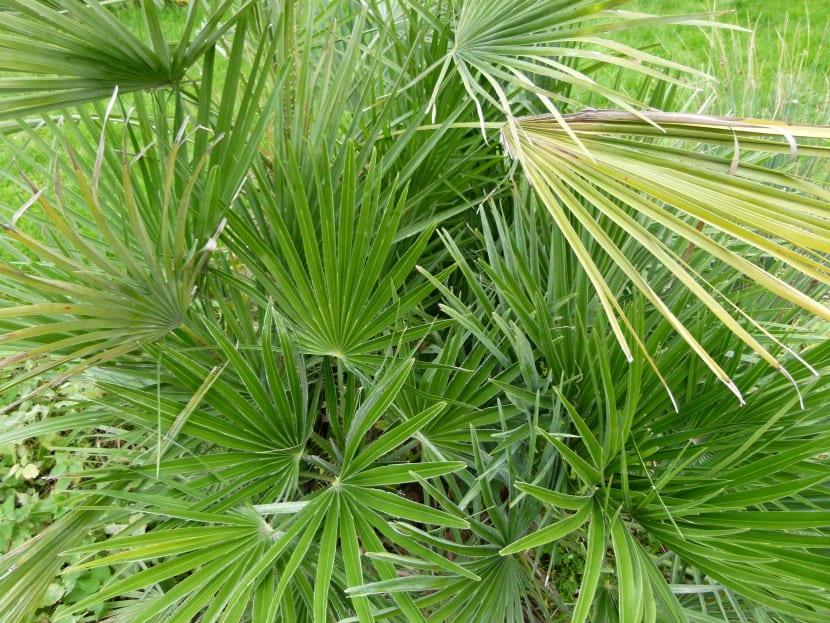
[385, 327]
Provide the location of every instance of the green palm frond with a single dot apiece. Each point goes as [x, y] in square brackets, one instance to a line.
[342, 279]
[231, 553]
[26, 571]
[134, 210]
[612, 445]
[757, 514]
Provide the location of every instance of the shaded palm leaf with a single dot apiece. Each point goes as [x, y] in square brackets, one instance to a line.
[83, 52]
[101, 305]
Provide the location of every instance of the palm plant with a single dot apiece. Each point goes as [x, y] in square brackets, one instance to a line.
[384, 326]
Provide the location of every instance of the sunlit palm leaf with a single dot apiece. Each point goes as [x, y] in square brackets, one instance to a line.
[550, 49]
[633, 183]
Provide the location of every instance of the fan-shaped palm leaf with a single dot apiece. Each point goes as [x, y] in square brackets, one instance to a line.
[83, 52]
[632, 183]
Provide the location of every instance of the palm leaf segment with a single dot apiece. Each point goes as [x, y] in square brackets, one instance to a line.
[292, 554]
[128, 237]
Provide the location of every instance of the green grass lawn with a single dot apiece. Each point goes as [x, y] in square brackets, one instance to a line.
[777, 70]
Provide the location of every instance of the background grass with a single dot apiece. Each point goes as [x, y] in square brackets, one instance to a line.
[777, 70]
